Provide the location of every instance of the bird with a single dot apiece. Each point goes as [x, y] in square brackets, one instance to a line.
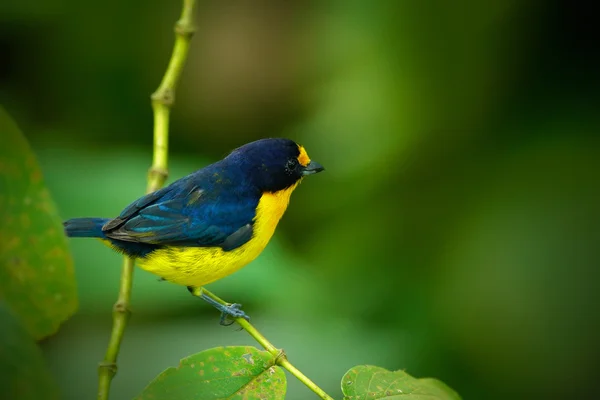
[210, 223]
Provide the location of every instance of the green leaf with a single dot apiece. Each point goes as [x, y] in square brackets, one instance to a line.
[37, 281]
[23, 372]
[367, 382]
[238, 372]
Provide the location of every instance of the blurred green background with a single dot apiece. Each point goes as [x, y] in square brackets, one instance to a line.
[455, 233]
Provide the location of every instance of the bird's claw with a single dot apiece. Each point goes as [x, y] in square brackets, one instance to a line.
[228, 312]
[231, 312]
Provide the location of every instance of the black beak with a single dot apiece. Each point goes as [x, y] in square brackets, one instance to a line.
[312, 168]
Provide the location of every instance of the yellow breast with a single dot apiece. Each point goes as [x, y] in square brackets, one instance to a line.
[198, 266]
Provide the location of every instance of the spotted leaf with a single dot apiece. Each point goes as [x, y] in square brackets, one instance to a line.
[367, 382]
[37, 281]
[238, 372]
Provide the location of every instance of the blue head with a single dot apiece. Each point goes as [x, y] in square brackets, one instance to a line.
[274, 164]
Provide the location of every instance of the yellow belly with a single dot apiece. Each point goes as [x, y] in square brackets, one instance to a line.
[198, 266]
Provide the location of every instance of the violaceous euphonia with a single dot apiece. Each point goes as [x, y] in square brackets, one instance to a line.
[210, 223]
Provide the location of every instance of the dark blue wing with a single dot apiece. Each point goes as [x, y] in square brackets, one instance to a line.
[135, 207]
[185, 214]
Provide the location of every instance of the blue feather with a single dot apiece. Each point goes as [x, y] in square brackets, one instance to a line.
[202, 209]
[85, 227]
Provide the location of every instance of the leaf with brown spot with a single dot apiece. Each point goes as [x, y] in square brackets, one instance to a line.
[237, 372]
[367, 382]
[37, 281]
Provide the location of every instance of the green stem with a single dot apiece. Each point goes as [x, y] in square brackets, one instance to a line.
[162, 100]
[108, 368]
[280, 357]
[164, 97]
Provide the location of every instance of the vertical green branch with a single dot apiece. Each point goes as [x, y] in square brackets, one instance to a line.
[162, 100]
[108, 368]
[164, 97]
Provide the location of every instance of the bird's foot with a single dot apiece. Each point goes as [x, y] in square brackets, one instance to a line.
[228, 312]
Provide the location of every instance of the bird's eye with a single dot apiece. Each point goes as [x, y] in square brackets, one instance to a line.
[291, 165]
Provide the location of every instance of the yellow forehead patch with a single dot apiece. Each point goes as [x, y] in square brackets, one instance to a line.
[303, 158]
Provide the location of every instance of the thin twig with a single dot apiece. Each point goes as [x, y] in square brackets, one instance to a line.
[108, 368]
[279, 355]
[164, 97]
[162, 100]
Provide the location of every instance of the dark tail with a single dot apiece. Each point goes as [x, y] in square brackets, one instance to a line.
[85, 227]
